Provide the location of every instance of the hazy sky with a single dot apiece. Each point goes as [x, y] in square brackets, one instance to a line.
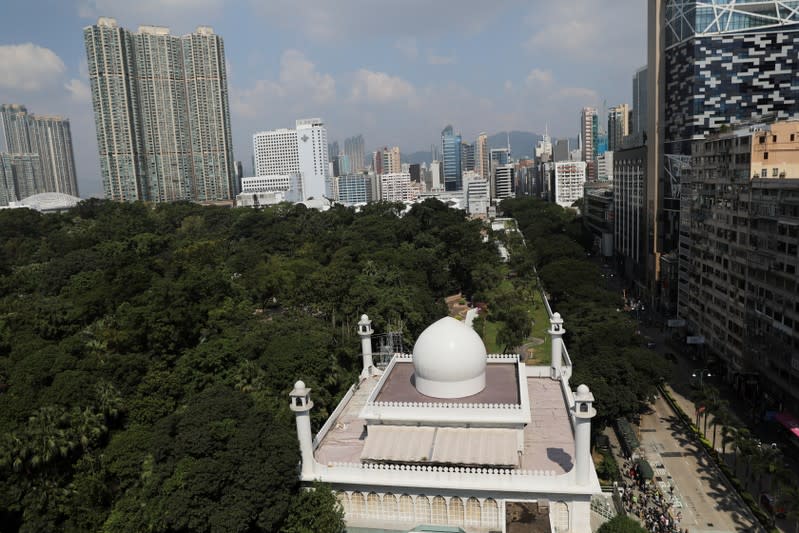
[397, 71]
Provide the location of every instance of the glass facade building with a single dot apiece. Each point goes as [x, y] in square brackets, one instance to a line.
[452, 152]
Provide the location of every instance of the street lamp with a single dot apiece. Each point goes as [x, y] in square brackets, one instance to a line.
[701, 374]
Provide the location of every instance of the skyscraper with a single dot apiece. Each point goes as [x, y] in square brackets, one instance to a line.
[451, 150]
[387, 160]
[47, 136]
[639, 110]
[589, 129]
[618, 125]
[467, 157]
[711, 64]
[354, 150]
[161, 111]
[19, 175]
[481, 157]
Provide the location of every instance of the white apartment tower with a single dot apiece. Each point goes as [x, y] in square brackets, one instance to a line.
[396, 187]
[161, 111]
[569, 181]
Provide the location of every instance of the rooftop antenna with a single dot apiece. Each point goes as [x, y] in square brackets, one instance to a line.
[508, 133]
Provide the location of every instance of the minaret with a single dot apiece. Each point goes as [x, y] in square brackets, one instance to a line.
[556, 331]
[301, 404]
[583, 413]
[365, 332]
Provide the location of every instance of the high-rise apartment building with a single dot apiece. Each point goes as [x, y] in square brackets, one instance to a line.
[275, 152]
[630, 236]
[161, 111]
[481, 156]
[589, 130]
[396, 187]
[638, 123]
[47, 136]
[739, 236]
[19, 175]
[504, 177]
[618, 125]
[355, 151]
[570, 176]
[451, 164]
[387, 160]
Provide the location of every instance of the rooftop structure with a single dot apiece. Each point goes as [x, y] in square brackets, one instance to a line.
[450, 435]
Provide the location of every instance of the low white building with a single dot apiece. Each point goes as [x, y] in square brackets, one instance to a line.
[451, 435]
[258, 191]
[477, 197]
[569, 180]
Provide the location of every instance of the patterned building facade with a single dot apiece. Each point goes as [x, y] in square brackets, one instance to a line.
[162, 113]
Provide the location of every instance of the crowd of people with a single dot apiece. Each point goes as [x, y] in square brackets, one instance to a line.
[642, 499]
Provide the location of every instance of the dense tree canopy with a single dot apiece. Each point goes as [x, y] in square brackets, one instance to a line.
[146, 352]
[602, 342]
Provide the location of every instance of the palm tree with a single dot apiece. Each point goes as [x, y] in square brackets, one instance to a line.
[721, 417]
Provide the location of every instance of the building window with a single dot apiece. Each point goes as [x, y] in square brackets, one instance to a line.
[456, 511]
[422, 509]
[389, 507]
[775, 172]
[373, 506]
[765, 156]
[762, 140]
[764, 173]
[793, 136]
[473, 512]
[439, 515]
[490, 514]
[405, 509]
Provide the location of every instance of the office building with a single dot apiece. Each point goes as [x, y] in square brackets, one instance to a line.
[312, 156]
[19, 176]
[161, 112]
[354, 189]
[618, 126]
[355, 152]
[302, 150]
[50, 138]
[481, 156]
[436, 176]
[561, 151]
[477, 197]
[450, 435]
[638, 123]
[467, 157]
[598, 212]
[739, 236]
[504, 178]
[711, 64]
[333, 151]
[451, 163]
[631, 234]
[543, 149]
[415, 170]
[570, 176]
[604, 167]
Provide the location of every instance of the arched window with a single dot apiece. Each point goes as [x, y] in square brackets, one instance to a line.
[473, 512]
[439, 507]
[405, 513]
[422, 509]
[491, 514]
[357, 505]
[560, 512]
[373, 506]
[456, 511]
[344, 500]
[389, 507]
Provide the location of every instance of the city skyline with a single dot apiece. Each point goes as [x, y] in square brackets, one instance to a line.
[436, 66]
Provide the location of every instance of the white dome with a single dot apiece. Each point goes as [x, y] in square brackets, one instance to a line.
[449, 360]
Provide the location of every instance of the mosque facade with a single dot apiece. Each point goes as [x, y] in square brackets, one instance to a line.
[453, 436]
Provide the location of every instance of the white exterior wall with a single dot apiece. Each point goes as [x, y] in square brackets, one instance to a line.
[477, 198]
[569, 181]
[313, 157]
[503, 181]
[290, 184]
[604, 164]
[396, 187]
[275, 152]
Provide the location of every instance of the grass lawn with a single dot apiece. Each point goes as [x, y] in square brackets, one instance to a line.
[490, 336]
[543, 352]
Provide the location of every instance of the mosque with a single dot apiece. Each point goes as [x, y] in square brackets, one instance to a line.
[453, 436]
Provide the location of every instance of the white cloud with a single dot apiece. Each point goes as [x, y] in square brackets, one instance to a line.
[407, 47]
[299, 83]
[434, 59]
[29, 67]
[538, 77]
[381, 87]
[78, 90]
